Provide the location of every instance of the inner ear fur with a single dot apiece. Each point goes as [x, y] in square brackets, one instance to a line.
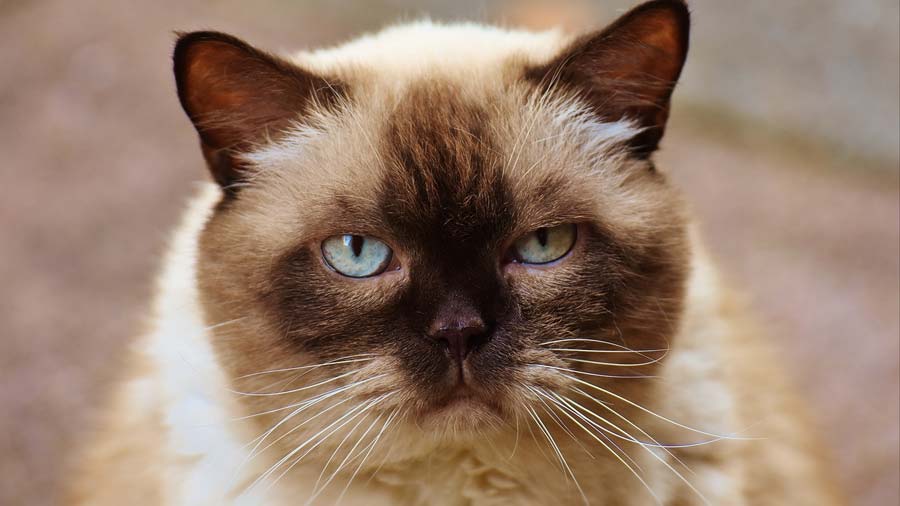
[627, 70]
[238, 96]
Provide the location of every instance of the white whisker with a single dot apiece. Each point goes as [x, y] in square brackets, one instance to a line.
[347, 459]
[610, 364]
[624, 349]
[370, 448]
[595, 374]
[558, 452]
[516, 444]
[256, 451]
[331, 394]
[618, 457]
[537, 443]
[222, 324]
[602, 430]
[638, 406]
[295, 390]
[384, 459]
[580, 350]
[259, 440]
[352, 414]
[316, 489]
[653, 442]
[345, 360]
[362, 462]
[559, 422]
[327, 394]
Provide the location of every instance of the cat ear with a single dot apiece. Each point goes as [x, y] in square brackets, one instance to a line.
[238, 96]
[629, 69]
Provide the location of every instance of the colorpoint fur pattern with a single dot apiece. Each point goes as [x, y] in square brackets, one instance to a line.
[622, 374]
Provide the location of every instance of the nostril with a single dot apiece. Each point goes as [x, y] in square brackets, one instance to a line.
[460, 337]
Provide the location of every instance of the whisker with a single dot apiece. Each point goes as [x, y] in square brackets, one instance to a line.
[347, 459]
[259, 440]
[516, 444]
[538, 445]
[356, 412]
[602, 430]
[618, 457]
[629, 436]
[585, 350]
[586, 340]
[286, 382]
[316, 489]
[310, 399]
[222, 324]
[604, 342]
[610, 364]
[295, 390]
[595, 374]
[559, 422]
[646, 448]
[652, 413]
[625, 349]
[558, 452]
[654, 443]
[255, 452]
[345, 360]
[349, 416]
[366, 456]
[384, 459]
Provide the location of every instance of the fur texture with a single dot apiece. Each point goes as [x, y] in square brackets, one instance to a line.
[620, 374]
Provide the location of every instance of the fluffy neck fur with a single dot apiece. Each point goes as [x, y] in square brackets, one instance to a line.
[207, 449]
[469, 471]
[200, 446]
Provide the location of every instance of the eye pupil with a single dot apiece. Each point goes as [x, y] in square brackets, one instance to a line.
[356, 244]
[541, 235]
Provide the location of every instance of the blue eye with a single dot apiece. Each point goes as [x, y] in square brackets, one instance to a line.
[356, 256]
[545, 245]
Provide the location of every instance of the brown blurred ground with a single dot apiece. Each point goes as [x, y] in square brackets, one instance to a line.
[97, 159]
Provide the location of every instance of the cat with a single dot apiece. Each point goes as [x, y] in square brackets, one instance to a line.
[438, 265]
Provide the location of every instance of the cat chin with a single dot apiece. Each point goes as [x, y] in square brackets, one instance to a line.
[461, 419]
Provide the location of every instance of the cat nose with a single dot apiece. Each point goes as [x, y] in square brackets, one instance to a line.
[460, 333]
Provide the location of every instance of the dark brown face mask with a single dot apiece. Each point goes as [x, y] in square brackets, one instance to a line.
[458, 311]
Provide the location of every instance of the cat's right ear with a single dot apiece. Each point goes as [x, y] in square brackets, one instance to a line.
[238, 96]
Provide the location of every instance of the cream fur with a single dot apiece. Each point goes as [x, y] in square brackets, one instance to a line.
[405, 52]
[203, 451]
[707, 382]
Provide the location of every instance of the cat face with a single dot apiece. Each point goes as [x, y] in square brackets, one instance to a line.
[442, 247]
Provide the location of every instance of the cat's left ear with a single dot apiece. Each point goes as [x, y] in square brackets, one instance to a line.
[629, 69]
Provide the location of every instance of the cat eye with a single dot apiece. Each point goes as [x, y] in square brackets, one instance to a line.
[545, 244]
[356, 256]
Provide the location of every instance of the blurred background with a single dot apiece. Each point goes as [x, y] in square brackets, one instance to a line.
[784, 136]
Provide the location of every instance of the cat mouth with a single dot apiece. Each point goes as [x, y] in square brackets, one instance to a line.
[462, 393]
[464, 401]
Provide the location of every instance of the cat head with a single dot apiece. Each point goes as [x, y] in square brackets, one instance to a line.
[444, 226]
